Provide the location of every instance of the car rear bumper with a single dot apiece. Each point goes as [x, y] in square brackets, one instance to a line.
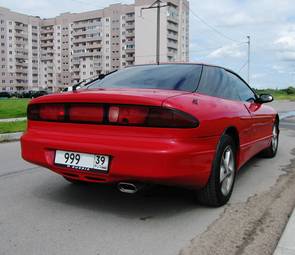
[184, 162]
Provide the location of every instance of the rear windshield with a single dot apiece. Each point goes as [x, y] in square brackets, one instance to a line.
[170, 77]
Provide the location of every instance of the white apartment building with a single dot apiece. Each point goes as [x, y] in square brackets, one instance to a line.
[55, 53]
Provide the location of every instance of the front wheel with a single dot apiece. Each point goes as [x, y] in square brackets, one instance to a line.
[219, 188]
[271, 151]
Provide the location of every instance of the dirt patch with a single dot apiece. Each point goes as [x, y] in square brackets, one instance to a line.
[253, 227]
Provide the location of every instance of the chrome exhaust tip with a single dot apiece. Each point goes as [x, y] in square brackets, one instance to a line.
[127, 188]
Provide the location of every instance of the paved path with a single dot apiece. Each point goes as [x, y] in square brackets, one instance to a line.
[286, 245]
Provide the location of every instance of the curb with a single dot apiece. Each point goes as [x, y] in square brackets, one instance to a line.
[13, 119]
[10, 137]
[286, 244]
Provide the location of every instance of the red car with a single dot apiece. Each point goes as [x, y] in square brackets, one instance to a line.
[190, 125]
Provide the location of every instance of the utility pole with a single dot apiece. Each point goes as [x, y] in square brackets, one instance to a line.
[249, 55]
[157, 5]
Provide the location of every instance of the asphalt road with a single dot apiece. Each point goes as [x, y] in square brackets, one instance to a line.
[40, 213]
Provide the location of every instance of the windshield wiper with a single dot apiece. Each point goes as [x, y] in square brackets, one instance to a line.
[87, 81]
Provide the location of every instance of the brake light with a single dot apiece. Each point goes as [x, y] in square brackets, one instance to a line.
[128, 115]
[163, 117]
[86, 113]
[52, 112]
[150, 117]
[125, 115]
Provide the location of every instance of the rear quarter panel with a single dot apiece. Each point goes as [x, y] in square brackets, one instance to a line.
[215, 116]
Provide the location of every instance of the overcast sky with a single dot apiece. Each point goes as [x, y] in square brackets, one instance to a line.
[270, 23]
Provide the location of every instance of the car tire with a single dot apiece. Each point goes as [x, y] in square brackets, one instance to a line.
[219, 188]
[271, 151]
[74, 181]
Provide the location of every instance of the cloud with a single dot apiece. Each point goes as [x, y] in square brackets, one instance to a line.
[285, 47]
[271, 24]
[231, 51]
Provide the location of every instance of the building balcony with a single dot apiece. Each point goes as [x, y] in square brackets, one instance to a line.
[87, 54]
[130, 33]
[47, 30]
[94, 46]
[46, 37]
[87, 39]
[130, 26]
[47, 57]
[130, 18]
[172, 36]
[172, 27]
[21, 55]
[130, 50]
[21, 49]
[172, 19]
[21, 64]
[171, 53]
[172, 45]
[75, 76]
[20, 27]
[130, 58]
[21, 70]
[75, 69]
[47, 44]
[21, 35]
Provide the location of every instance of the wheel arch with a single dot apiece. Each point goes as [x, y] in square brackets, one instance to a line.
[234, 133]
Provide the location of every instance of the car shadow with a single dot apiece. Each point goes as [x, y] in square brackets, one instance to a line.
[158, 201]
[155, 202]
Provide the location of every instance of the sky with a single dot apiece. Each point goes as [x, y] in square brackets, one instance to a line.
[218, 33]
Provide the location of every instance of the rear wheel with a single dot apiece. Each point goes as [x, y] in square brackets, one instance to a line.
[74, 181]
[271, 151]
[219, 188]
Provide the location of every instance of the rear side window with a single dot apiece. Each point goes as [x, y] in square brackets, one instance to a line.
[244, 92]
[183, 77]
[215, 82]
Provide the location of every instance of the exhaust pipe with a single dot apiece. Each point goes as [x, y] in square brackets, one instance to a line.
[128, 188]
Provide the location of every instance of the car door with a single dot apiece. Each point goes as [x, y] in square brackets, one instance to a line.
[261, 120]
[216, 82]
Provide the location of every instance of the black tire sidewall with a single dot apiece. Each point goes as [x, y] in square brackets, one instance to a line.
[224, 142]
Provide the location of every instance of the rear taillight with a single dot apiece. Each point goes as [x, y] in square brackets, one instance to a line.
[85, 113]
[124, 115]
[54, 112]
[128, 115]
[163, 117]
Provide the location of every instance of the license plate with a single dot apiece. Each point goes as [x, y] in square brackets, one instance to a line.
[82, 161]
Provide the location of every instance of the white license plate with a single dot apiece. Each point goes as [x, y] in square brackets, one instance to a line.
[82, 161]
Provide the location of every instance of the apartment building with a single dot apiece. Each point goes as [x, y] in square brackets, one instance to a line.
[55, 53]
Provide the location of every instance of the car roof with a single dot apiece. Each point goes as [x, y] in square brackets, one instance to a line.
[191, 63]
[185, 63]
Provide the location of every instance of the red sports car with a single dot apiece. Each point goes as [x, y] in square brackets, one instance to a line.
[190, 125]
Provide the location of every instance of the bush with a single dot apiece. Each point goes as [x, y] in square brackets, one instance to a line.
[290, 91]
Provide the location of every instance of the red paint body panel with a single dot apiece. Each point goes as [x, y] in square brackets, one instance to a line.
[176, 156]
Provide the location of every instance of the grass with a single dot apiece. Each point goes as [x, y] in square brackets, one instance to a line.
[13, 108]
[279, 94]
[12, 127]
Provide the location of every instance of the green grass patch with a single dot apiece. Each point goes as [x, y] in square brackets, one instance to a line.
[279, 94]
[12, 127]
[13, 108]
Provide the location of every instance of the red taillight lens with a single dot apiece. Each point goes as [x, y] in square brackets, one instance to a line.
[86, 113]
[163, 117]
[128, 115]
[52, 112]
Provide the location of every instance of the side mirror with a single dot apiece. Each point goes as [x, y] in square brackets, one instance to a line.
[264, 98]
